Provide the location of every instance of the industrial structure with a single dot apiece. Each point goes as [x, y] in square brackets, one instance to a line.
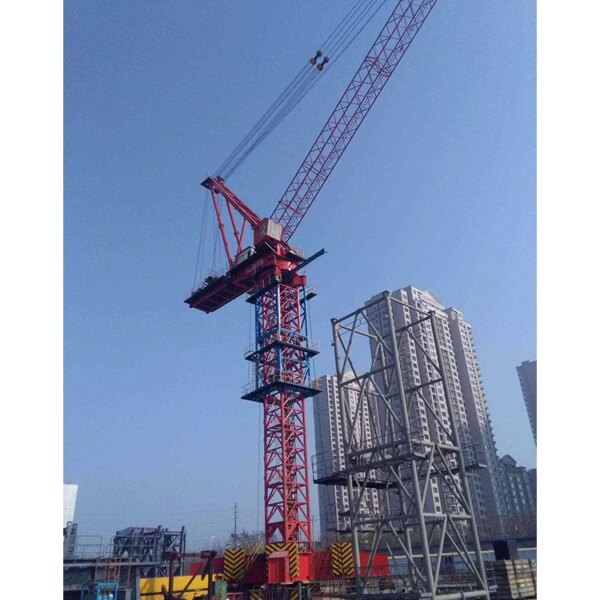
[268, 269]
[427, 509]
[149, 545]
[69, 502]
[135, 557]
[69, 524]
[466, 394]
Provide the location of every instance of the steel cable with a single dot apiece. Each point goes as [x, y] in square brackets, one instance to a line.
[326, 45]
[264, 118]
[283, 112]
[349, 28]
[357, 34]
[366, 6]
[301, 93]
[226, 170]
[201, 243]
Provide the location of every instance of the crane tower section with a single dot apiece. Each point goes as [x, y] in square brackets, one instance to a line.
[281, 357]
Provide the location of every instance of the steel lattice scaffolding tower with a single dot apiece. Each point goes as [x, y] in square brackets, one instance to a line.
[401, 460]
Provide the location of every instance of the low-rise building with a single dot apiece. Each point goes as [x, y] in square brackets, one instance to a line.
[520, 497]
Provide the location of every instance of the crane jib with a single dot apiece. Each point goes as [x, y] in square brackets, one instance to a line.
[360, 95]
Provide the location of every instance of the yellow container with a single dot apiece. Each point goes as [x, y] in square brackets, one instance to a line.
[150, 588]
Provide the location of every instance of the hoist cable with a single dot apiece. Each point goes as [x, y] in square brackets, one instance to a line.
[277, 118]
[287, 100]
[258, 465]
[201, 242]
[341, 52]
[264, 117]
[215, 244]
[291, 88]
[302, 93]
[326, 45]
[355, 24]
[302, 83]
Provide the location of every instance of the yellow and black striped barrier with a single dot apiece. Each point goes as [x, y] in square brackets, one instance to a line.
[233, 564]
[256, 595]
[341, 559]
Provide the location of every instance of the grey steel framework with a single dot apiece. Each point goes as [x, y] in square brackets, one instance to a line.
[402, 463]
[132, 553]
[69, 540]
[147, 548]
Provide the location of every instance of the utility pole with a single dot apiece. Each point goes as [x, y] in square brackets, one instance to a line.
[235, 537]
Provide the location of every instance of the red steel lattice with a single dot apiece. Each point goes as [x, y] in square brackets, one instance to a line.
[281, 363]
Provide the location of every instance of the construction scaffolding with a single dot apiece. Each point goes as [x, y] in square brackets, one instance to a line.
[425, 504]
[147, 548]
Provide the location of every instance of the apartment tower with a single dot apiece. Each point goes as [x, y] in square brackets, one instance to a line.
[468, 403]
[333, 499]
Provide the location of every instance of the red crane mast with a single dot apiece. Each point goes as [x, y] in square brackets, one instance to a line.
[268, 270]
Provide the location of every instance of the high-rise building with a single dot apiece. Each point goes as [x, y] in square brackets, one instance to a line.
[334, 503]
[520, 485]
[527, 371]
[466, 395]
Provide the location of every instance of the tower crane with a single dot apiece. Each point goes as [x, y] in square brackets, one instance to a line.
[268, 270]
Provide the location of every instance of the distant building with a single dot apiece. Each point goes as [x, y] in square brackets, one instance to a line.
[521, 493]
[467, 398]
[69, 502]
[334, 503]
[527, 371]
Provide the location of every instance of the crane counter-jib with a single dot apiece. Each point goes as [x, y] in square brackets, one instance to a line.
[259, 269]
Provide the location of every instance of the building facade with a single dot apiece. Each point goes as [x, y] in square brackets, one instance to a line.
[69, 502]
[521, 495]
[334, 503]
[468, 400]
[527, 372]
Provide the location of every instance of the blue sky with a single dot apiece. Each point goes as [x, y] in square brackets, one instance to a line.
[437, 190]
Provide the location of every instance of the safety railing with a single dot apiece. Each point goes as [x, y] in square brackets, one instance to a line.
[326, 464]
[210, 278]
[277, 376]
[295, 340]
